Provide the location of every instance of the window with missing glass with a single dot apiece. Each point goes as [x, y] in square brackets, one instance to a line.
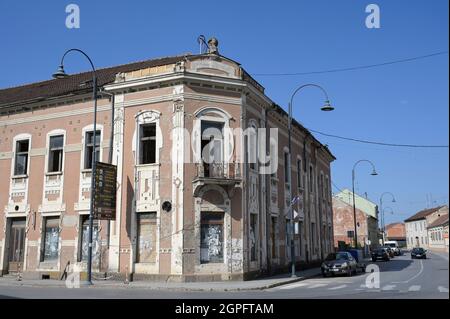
[55, 153]
[146, 250]
[211, 242]
[21, 158]
[147, 143]
[299, 173]
[253, 236]
[273, 236]
[286, 167]
[89, 148]
[51, 239]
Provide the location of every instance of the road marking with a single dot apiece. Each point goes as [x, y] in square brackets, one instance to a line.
[413, 277]
[415, 288]
[317, 286]
[443, 289]
[338, 287]
[292, 286]
[388, 287]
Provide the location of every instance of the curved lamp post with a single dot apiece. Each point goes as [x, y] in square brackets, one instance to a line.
[374, 173]
[383, 226]
[61, 74]
[326, 107]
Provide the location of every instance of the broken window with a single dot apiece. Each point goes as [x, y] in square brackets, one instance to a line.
[252, 236]
[55, 155]
[252, 147]
[212, 148]
[51, 239]
[311, 179]
[286, 167]
[146, 233]
[211, 243]
[313, 237]
[84, 247]
[299, 173]
[21, 161]
[89, 148]
[147, 140]
[273, 231]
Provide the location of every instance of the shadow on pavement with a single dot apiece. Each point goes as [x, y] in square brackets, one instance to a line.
[394, 264]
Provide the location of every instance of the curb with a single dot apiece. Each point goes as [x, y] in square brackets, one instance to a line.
[186, 289]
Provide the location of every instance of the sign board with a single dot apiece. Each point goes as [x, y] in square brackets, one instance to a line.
[105, 191]
[350, 234]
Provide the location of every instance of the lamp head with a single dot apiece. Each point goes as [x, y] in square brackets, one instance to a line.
[374, 173]
[60, 73]
[327, 107]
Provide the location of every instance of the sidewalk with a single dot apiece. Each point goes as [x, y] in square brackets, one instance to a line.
[258, 284]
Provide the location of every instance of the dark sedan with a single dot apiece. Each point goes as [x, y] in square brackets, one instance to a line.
[339, 263]
[380, 253]
[419, 252]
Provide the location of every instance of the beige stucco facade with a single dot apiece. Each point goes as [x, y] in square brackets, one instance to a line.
[249, 209]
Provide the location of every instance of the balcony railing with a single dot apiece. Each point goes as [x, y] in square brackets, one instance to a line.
[217, 170]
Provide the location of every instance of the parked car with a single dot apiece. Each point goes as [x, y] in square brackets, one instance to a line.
[419, 252]
[393, 244]
[340, 263]
[390, 251]
[380, 253]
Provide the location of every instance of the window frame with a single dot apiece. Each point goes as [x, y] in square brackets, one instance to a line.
[50, 150]
[21, 153]
[87, 165]
[45, 226]
[145, 139]
[220, 222]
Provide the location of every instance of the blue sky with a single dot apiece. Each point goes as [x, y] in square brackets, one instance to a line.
[402, 103]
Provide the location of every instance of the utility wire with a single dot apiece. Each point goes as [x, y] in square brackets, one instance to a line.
[340, 190]
[379, 143]
[361, 67]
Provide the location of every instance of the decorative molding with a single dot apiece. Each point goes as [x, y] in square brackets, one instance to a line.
[6, 155]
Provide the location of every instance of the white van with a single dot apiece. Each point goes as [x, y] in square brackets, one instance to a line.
[394, 245]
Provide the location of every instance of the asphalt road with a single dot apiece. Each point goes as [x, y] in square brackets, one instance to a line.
[399, 278]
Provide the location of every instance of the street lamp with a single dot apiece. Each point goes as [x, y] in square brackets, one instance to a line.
[61, 74]
[382, 213]
[374, 173]
[326, 107]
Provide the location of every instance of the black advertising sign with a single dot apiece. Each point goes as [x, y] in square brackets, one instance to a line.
[105, 191]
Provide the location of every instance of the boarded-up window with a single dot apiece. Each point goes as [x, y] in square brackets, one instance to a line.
[253, 236]
[51, 239]
[146, 244]
[85, 240]
[211, 243]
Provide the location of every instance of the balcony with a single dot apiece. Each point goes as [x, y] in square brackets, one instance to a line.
[223, 174]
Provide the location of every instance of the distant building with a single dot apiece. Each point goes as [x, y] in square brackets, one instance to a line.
[366, 217]
[438, 234]
[397, 232]
[417, 226]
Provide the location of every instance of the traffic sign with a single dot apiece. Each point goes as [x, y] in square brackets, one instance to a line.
[105, 191]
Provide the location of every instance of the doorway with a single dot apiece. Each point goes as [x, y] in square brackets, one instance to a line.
[16, 244]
